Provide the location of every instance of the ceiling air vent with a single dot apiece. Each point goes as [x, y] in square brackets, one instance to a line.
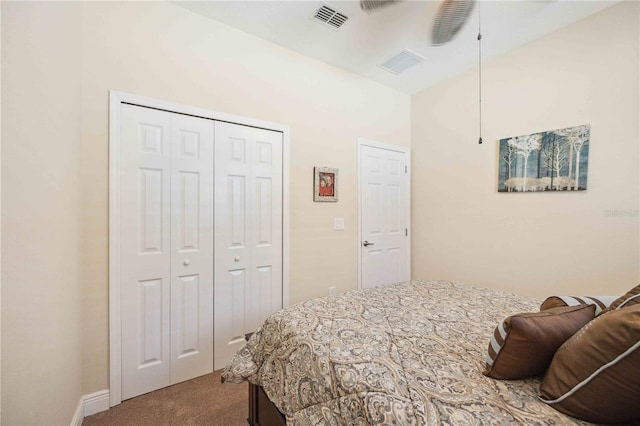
[401, 61]
[329, 16]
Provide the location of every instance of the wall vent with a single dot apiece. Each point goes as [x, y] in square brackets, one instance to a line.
[329, 16]
[401, 61]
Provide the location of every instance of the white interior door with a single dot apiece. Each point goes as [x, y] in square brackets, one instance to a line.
[384, 215]
[248, 242]
[166, 239]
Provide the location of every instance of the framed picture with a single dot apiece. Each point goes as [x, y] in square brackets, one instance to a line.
[555, 160]
[325, 184]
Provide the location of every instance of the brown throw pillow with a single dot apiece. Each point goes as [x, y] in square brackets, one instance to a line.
[601, 302]
[595, 375]
[523, 344]
[632, 297]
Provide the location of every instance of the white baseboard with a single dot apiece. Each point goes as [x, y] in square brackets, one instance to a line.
[96, 402]
[90, 404]
[78, 416]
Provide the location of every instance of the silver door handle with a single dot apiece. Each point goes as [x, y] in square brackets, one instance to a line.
[367, 244]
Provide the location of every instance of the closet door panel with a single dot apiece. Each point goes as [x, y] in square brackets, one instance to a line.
[145, 249]
[232, 243]
[248, 211]
[266, 183]
[191, 247]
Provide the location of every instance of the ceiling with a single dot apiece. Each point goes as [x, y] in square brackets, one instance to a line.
[368, 39]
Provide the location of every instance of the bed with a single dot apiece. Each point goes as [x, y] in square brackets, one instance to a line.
[407, 353]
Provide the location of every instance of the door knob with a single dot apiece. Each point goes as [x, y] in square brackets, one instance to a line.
[367, 244]
[186, 262]
[237, 258]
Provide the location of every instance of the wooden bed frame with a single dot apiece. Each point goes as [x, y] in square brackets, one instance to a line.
[262, 412]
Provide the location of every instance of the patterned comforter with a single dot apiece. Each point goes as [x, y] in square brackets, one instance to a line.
[409, 354]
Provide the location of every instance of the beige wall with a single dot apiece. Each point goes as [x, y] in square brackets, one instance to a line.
[41, 304]
[0, 215]
[544, 243]
[163, 51]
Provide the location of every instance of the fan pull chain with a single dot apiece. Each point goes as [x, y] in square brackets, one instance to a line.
[479, 73]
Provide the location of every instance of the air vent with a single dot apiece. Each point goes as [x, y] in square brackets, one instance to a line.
[401, 61]
[329, 16]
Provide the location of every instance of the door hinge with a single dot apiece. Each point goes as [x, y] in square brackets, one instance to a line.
[406, 232]
[405, 169]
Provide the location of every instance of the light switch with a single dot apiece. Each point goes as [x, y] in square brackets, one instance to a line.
[338, 224]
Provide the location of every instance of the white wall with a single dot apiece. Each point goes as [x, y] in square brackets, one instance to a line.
[163, 51]
[41, 292]
[543, 243]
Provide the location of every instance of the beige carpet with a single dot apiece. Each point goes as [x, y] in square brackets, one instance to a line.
[201, 401]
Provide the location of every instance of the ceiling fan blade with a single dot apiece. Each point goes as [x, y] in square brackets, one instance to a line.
[451, 15]
[371, 5]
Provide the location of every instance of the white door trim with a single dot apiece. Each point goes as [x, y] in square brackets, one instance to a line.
[367, 142]
[115, 100]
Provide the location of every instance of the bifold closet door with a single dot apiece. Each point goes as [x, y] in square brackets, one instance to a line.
[166, 236]
[248, 240]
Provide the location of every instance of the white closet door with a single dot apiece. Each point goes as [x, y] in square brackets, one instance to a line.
[145, 247]
[191, 247]
[248, 242]
[167, 249]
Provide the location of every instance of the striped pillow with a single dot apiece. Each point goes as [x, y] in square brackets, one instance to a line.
[600, 302]
[632, 297]
[523, 344]
[595, 375]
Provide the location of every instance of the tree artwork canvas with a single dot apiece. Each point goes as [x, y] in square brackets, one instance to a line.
[556, 160]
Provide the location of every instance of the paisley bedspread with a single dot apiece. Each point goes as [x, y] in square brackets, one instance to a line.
[405, 354]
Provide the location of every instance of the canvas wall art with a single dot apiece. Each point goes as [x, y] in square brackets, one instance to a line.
[556, 160]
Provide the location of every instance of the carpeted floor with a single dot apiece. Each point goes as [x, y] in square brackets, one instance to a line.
[201, 401]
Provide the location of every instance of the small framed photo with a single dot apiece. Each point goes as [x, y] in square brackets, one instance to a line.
[325, 184]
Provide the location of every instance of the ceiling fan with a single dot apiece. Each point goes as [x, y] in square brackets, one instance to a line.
[451, 15]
